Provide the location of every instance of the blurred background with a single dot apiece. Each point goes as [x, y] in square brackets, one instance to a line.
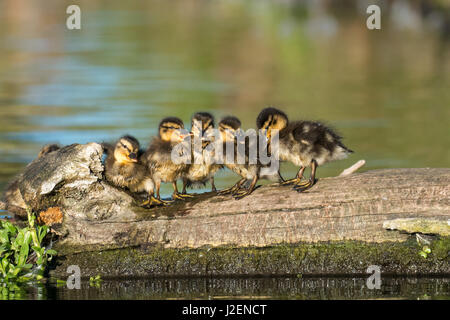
[134, 62]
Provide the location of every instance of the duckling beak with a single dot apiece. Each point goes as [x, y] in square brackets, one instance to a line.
[184, 136]
[133, 157]
[267, 133]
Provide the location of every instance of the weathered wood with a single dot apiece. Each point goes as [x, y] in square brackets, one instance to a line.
[418, 225]
[353, 207]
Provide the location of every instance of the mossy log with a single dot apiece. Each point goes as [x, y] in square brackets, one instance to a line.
[337, 214]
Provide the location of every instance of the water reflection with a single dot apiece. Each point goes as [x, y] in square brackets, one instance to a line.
[246, 288]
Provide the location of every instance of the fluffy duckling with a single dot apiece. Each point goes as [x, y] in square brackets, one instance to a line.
[202, 167]
[229, 128]
[304, 143]
[158, 157]
[123, 169]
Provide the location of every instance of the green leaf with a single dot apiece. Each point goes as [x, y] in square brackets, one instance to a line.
[60, 283]
[42, 233]
[38, 250]
[426, 249]
[9, 227]
[24, 250]
[4, 236]
[423, 254]
[16, 271]
[5, 264]
[52, 252]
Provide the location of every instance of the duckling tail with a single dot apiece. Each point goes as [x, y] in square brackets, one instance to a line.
[341, 152]
[347, 149]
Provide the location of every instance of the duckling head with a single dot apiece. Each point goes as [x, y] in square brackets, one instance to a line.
[171, 129]
[47, 149]
[229, 127]
[126, 150]
[271, 119]
[202, 122]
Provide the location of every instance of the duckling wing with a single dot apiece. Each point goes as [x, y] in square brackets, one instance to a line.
[306, 132]
[319, 141]
[108, 148]
[158, 153]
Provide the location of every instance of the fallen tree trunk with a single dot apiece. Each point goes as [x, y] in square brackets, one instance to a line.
[97, 216]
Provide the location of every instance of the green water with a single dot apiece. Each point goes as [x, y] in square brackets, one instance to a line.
[329, 288]
[134, 62]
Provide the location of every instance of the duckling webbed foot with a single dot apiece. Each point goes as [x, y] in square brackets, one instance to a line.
[181, 196]
[188, 195]
[304, 185]
[241, 193]
[300, 187]
[296, 181]
[289, 182]
[153, 201]
[245, 192]
[237, 186]
[230, 190]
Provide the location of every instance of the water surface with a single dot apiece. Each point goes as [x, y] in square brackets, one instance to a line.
[311, 288]
[133, 63]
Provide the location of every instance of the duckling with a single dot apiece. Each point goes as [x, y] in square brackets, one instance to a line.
[124, 169]
[203, 167]
[48, 149]
[229, 128]
[158, 157]
[304, 143]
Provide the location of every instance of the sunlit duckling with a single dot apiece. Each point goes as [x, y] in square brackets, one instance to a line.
[124, 169]
[203, 166]
[230, 128]
[158, 156]
[304, 143]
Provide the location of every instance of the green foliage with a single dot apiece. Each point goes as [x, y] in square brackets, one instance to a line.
[95, 281]
[425, 251]
[23, 258]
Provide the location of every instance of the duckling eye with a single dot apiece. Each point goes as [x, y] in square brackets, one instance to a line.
[125, 147]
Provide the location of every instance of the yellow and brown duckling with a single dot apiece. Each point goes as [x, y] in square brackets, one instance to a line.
[124, 169]
[203, 166]
[158, 157]
[230, 128]
[304, 143]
